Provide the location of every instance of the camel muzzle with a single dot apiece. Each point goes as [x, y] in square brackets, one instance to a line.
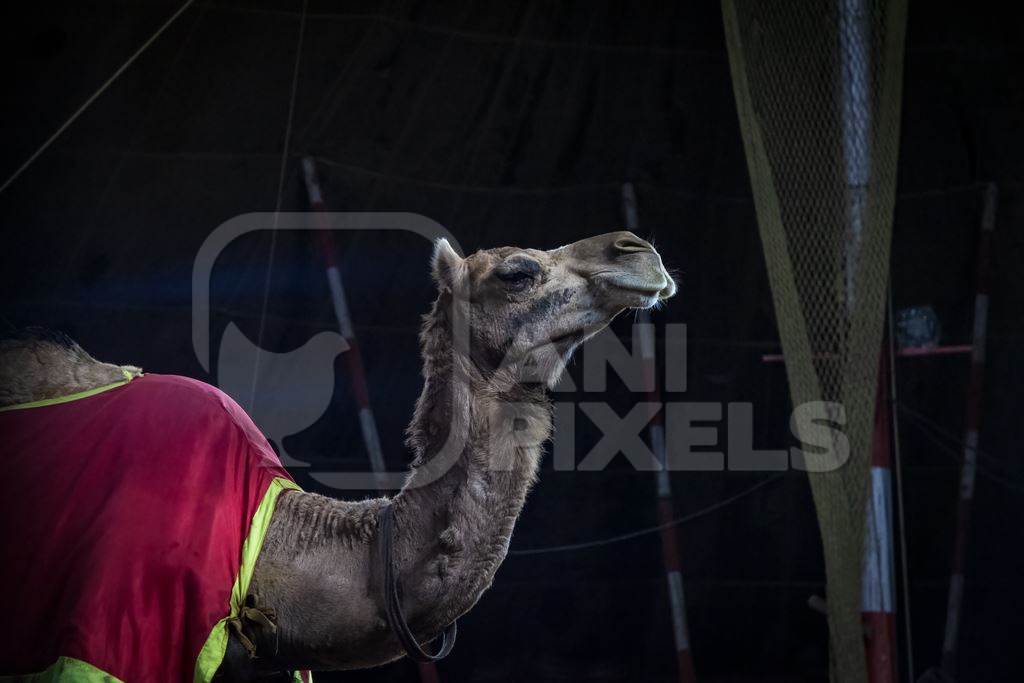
[623, 261]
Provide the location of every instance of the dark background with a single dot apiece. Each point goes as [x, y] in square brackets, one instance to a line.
[516, 123]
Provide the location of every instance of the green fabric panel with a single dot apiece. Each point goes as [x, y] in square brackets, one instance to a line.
[212, 654]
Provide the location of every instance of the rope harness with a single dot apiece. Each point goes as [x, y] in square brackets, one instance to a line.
[251, 618]
[392, 602]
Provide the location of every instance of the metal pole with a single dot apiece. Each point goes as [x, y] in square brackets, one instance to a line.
[656, 436]
[877, 575]
[353, 357]
[855, 100]
[972, 423]
[878, 598]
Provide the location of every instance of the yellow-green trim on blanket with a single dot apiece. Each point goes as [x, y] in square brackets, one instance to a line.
[212, 654]
[71, 397]
[66, 669]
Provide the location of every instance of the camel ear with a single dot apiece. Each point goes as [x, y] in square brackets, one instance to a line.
[445, 263]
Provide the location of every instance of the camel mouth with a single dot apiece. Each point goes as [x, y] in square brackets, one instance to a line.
[650, 289]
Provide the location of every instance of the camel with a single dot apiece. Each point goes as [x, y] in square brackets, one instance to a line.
[525, 311]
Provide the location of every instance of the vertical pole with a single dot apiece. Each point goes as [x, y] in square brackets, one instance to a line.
[656, 436]
[353, 357]
[855, 109]
[877, 598]
[877, 595]
[972, 423]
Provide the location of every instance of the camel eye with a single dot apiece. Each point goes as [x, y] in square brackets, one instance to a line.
[518, 273]
[515, 280]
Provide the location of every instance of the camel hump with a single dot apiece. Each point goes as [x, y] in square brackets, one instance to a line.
[38, 364]
[194, 404]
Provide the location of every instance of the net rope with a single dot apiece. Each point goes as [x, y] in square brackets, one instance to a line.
[818, 89]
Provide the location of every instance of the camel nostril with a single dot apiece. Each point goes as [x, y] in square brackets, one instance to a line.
[631, 244]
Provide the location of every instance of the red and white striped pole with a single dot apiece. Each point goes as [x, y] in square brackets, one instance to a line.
[656, 434]
[353, 357]
[878, 597]
[972, 423]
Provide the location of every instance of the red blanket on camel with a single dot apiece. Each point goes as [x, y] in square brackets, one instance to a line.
[131, 519]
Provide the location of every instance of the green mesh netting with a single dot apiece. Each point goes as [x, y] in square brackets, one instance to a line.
[818, 87]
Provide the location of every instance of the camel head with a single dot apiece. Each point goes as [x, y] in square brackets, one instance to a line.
[528, 309]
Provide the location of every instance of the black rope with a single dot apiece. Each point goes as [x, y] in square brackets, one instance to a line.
[392, 603]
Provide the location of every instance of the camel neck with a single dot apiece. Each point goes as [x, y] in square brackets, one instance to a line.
[477, 441]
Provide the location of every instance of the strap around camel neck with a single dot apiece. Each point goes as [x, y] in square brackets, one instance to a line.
[392, 603]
